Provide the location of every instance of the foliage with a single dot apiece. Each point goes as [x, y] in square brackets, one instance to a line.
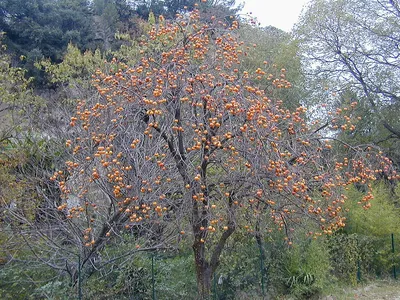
[175, 276]
[106, 22]
[42, 29]
[16, 95]
[302, 270]
[381, 220]
[20, 280]
[76, 67]
[376, 225]
[19, 106]
[39, 29]
[364, 245]
[239, 271]
[169, 8]
[26, 219]
[124, 280]
[307, 268]
[276, 50]
[351, 255]
[18, 187]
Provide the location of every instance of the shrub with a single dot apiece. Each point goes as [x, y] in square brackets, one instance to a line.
[367, 237]
[130, 279]
[351, 255]
[306, 268]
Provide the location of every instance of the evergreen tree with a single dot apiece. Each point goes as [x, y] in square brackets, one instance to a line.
[37, 29]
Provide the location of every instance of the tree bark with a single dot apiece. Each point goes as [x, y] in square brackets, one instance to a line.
[206, 269]
[204, 272]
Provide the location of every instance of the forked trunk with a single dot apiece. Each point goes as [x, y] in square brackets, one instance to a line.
[206, 269]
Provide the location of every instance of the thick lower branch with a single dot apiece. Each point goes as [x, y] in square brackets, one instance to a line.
[391, 129]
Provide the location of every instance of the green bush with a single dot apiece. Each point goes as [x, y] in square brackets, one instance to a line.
[352, 256]
[130, 279]
[381, 219]
[366, 239]
[306, 268]
[175, 276]
[239, 269]
[33, 281]
[301, 270]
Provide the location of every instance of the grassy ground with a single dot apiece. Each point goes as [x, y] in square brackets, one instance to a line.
[378, 290]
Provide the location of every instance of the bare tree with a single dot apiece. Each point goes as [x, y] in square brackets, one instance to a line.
[351, 48]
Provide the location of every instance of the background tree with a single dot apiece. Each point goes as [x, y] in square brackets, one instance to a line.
[277, 50]
[187, 141]
[169, 8]
[111, 18]
[350, 51]
[105, 21]
[39, 29]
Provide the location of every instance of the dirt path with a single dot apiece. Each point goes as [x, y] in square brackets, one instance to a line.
[388, 290]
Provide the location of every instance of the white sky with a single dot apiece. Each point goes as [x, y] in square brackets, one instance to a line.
[278, 13]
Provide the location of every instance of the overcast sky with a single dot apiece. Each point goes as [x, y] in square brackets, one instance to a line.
[279, 13]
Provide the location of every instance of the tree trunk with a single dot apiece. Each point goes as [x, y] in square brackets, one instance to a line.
[204, 279]
[204, 271]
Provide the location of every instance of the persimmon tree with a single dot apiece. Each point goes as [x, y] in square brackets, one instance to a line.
[189, 143]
